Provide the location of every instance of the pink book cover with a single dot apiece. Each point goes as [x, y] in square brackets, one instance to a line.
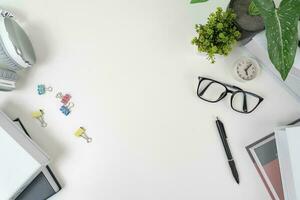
[263, 154]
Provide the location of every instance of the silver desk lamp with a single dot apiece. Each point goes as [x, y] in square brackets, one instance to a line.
[16, 51]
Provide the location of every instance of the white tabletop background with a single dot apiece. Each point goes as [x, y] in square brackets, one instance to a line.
[132, 72]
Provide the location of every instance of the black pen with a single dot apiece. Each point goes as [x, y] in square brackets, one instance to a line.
[223, 136]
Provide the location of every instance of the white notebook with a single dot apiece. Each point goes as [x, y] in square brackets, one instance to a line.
[21, 160]
[288, 148]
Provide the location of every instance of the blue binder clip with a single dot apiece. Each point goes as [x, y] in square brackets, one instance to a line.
[42, 89]
[66, 109]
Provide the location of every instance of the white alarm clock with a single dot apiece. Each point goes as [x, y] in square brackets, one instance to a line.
[246, 69]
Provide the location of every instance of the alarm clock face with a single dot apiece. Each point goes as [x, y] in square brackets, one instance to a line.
[246, 69]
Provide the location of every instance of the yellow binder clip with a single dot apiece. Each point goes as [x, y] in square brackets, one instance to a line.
[39, 115]
[81, 132]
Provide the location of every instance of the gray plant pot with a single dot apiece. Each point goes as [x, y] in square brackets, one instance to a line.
[248, 25]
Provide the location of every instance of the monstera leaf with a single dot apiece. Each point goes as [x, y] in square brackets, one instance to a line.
[198, 1]
[281, 31]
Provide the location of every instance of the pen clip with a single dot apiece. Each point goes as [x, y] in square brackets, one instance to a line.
[221, 127]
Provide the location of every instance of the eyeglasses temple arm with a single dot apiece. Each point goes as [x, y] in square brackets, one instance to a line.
[202, 92]
[245, 107]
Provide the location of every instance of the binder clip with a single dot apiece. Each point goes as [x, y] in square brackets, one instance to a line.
[39, 115]
[81, 132]
[66, 109]
[42, 89]
[64, 98]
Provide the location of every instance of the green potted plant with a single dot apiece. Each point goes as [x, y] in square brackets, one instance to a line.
[248, 21]
[281, 24]
[218, 35]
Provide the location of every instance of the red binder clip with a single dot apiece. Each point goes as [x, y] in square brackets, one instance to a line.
[63, 98]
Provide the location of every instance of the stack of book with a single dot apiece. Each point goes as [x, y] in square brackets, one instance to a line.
[259, 49]
[276, 159]
[24, 170]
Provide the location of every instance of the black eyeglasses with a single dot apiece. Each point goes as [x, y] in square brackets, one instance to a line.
[213, 91]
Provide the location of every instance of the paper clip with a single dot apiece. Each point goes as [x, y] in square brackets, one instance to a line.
[81, 132]
[64, 98]
[39, 115]
[66, 109]
[41, 88]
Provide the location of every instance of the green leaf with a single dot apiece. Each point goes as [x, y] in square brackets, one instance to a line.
[252, 10]
[281, 31]
[198, 1]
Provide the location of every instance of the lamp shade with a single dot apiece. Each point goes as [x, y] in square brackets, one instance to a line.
[16, 50]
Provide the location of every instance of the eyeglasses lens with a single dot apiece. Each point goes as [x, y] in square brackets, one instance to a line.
[244, 102]
[210, 90]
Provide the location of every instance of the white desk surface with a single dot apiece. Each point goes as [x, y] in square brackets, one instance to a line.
[132, 72]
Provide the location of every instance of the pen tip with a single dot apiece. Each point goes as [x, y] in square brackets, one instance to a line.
[237, 180]
[217, 118]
